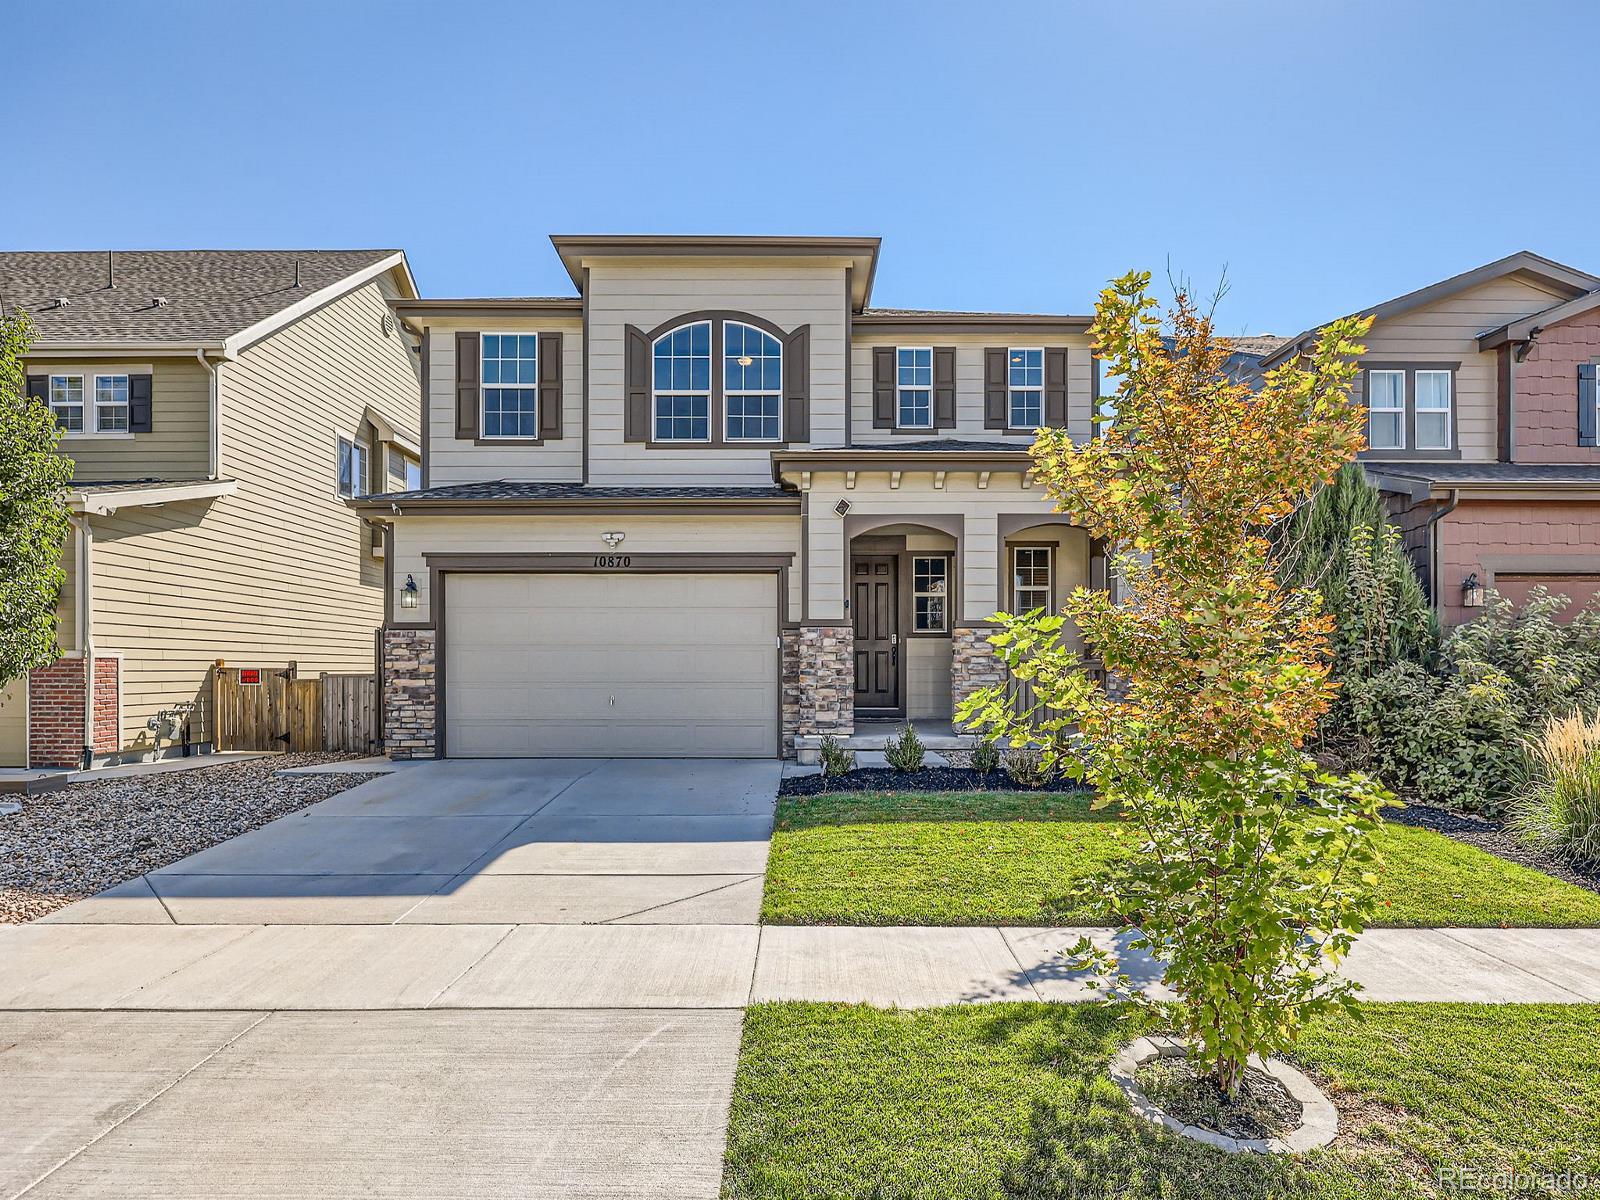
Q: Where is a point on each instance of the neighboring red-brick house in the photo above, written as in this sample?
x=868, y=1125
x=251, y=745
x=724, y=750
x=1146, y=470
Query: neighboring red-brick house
x=1482, y=429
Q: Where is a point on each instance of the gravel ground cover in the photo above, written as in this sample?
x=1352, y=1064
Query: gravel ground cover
x=69, y=844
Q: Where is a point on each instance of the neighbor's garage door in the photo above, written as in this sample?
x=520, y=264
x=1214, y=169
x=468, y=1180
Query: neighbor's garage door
x=600, y=665
x=1580, y=589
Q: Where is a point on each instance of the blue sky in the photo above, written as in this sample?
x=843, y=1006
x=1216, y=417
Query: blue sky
x=1011, y=156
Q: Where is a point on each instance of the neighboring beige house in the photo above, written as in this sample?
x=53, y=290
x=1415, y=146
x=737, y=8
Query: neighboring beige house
x=716, y=502
x=219, y=407
x=1482, y=427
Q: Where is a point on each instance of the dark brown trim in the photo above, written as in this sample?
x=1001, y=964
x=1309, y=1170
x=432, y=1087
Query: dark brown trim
x=849, y=351
x=1539, y=564
x=1505, y=439
x=388, y=577
x=869, y=458
x=785, y=506
x=891, y=548
x=583, y=433
x=974, y=323
x=555, y=307
x=427, y=400
x=469, y=383
x=950, y=600
x=1009, y=575
x=1409, y=453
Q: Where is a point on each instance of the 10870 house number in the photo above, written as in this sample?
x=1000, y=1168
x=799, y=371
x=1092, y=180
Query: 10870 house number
x=613, y=560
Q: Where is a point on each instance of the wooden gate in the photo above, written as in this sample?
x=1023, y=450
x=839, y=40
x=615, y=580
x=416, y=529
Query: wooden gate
x=267, y=708
x=350, y=713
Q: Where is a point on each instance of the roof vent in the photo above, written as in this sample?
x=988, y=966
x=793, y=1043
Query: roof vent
x=158, y=302
x=62, y=302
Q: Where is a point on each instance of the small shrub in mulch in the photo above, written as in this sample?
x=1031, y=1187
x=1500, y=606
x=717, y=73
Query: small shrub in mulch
x=928, y=779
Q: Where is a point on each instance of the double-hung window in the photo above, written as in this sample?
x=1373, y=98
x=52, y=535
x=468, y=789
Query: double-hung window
x=510, y=385
x=930, y=592
x=405, y=472
x=1386, y=410
x=1410, y=408
x=353, y=463
x=1025, y=388
x=111, y=404
x=1432, y=391
x=914, y=387
x=752, y=383
x=1030, y=578
x=66, y=401
x=682, y=384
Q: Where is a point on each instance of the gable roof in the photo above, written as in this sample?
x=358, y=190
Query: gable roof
x=1564, y=278
x=214, y=299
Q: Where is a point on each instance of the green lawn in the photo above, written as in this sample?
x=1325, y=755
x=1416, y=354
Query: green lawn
x=1012, y=1101
x=1010, y=858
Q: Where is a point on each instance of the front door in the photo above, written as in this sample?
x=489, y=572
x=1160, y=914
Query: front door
x=875, y=606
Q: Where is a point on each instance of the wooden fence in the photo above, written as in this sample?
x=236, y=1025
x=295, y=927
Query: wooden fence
x=272, y=708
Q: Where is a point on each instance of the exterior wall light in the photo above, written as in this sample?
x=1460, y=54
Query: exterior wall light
x=408, y=593
x=1471, y=592
x=612, y=538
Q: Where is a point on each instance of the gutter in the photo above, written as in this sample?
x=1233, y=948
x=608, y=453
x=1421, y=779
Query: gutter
x=84, y=609
x=214, y=407
x=1438, y=515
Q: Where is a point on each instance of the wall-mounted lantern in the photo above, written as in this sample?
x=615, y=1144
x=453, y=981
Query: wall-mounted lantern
x=1471, y=592
x=408, y=593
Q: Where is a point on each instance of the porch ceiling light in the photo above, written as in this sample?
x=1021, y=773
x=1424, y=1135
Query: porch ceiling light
x=1471, y=592
x=408, y=593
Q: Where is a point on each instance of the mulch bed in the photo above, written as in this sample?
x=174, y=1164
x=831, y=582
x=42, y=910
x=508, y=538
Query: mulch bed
x=69, y=844
x=1262, y=1109
x=929, y=779
x=1493, y=838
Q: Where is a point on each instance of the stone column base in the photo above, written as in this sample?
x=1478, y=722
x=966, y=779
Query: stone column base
x=973, y=662
x=825, y=683
x=410, y=694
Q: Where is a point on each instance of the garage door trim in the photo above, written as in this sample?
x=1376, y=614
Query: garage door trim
x=618, y=562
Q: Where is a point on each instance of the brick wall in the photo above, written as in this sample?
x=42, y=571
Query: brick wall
x=410, y=695
x=1547, y=393
x=55, y=711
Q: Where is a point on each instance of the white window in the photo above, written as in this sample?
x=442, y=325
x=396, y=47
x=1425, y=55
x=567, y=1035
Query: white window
x=1025, y=382
x=914, y=387
x=353, y=460
x=752, y=383
x=1432, y=390
x=405, y=472
x=66, y=401
x=681, y=400
x=1386, y=410
x=111, y=404
x=1030, y=578
x=510, y=385
x=930, y=590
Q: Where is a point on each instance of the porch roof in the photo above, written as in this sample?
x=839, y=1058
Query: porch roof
x=500, y=495
x=1421, y=480
x=939, y=453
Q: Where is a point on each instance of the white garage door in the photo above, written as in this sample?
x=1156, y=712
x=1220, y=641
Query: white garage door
x=639, y=666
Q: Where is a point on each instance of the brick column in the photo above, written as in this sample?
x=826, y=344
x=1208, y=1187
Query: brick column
x=973, y=662
x=826, y=679
x=410, y=696
x=55, y=711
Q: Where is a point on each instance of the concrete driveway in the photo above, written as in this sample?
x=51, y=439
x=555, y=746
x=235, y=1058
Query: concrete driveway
x=517, y=978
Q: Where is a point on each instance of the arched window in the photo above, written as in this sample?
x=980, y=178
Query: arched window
x=682, y=384
x=752, y=383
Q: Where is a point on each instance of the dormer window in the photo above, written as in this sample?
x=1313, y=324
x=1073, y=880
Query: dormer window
x=682, y=392
x=914, y=387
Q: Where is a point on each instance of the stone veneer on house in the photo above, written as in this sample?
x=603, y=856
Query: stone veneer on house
x=973, y=662
x=826, y=680
x=410, y=697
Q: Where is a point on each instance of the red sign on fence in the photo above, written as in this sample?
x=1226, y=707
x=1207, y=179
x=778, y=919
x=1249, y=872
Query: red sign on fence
x=250, y=675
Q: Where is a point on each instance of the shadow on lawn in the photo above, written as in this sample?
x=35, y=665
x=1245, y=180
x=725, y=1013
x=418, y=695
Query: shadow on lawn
x=888, y=807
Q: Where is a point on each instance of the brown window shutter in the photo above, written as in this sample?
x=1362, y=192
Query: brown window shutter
x=39, y=388
x=550, y=385
x=996, y=405
x=797, y=385
x=883, y=362
x=141, y=403
x=944, y=387
x=467, y=364
x=636, y=417
x=1055, y=387
x=1588, y=393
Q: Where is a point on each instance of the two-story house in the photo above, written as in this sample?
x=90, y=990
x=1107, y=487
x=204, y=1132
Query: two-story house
x=219, y=407
x=716, y=502
x=1481, y=430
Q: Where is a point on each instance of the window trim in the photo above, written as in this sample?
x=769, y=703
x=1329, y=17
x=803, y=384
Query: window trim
x=507, y=439
x=394, y=452
x=717, y=412
x=1012, y=427
x=126, y=406
x=1049, y=549
x=899, y=408
x=1400, y=408
x=775, y=393
x=1409, y=451
x=85, y=404
x=361, y=480
x=712, y=359
x=948, y=558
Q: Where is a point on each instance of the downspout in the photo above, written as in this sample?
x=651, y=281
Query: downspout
x=84, y=602
x=214, y=443
x=1439, y=514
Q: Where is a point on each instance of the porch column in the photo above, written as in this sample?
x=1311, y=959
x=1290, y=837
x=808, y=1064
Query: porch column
x=973, y=662
x=823, y=686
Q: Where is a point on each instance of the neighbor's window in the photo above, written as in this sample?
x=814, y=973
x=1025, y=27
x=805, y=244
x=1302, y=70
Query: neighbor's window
x=66, y=401
x=914, y=384
x=930, y=587
x=111, y=403
x=1432, y=389
x=1025, y=369
x=682, y=393
x=405, y=472
x=752, y=383
x=1030, y=578
x=352, y=468
x=510, y=385
x=1386, y=410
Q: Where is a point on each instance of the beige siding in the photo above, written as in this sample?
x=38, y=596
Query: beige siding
x=559, y=460
x=416, y=536
x=1447, y=331
x=14, y=724
x=646, y=293
x=281, y=570
x=177, y=446
x=969, y=384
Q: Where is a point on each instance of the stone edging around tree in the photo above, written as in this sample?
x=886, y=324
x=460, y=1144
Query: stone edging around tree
x=1319, y=1123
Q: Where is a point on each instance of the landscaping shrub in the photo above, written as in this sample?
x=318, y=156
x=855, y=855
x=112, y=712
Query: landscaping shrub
x=1559, y=807
x=1025, y=767
x=836, y=759
x=905, y=750
x=985, y=759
